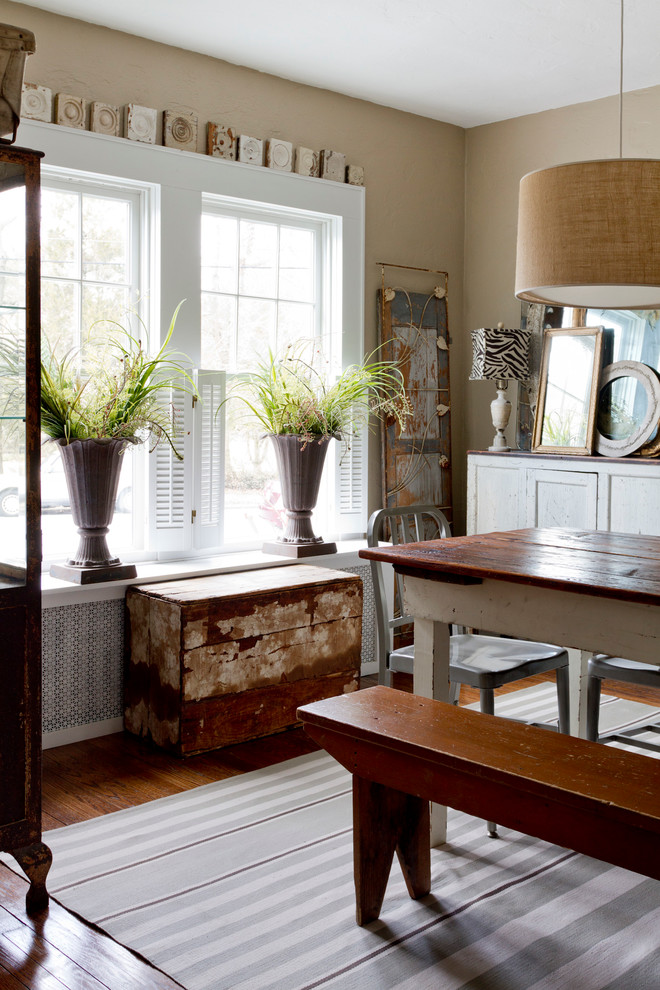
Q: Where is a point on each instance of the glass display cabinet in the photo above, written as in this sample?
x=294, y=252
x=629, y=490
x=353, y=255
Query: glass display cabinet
x=20, y=530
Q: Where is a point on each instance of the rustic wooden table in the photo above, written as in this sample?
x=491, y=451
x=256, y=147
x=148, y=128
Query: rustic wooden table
x=596, y=592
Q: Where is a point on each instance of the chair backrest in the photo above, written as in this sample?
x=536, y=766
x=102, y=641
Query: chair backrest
x=405, y=524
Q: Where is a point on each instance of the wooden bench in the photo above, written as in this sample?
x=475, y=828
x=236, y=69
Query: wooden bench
x=405, y=751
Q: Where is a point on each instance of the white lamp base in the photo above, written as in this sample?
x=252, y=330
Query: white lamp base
x=500, y=410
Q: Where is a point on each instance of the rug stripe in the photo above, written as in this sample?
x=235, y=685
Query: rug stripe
x=605, y=963
x=330, y=920
x=204, y=807
x=512, y=937
x=108, y=845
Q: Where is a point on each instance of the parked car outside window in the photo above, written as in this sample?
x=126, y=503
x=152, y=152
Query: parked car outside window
x=54, y=493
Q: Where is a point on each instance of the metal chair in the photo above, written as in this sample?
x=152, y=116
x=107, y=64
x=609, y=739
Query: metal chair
x=602, y=667
x=483, y=662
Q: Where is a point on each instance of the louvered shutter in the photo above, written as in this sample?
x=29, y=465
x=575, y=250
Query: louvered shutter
x=170, y=482
x=209, y=460
x=351, y=487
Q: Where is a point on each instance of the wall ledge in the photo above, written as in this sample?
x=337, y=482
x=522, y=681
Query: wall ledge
x=56, y=592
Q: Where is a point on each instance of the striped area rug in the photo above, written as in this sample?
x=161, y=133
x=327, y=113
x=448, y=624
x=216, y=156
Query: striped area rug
x=247, y=884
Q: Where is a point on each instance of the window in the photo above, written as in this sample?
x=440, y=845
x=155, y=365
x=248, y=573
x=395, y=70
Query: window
x=263, y=280
x=261, y=284
x=261, y=258
x=90, y=253
x=91, y=263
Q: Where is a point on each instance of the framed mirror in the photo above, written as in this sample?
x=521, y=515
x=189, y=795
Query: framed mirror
x=630, y=335
x=565, y=417
x=628, y=408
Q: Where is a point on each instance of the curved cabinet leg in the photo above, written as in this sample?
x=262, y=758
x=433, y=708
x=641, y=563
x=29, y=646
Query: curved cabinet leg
x=35, y=862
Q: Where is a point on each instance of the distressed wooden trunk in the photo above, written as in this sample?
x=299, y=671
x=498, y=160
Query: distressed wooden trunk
x=217, y=660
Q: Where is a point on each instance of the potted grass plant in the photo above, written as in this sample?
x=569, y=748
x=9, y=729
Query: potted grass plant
x=302, y=408
x=95, y=402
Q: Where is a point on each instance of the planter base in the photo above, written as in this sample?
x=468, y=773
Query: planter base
x=299, y=550
x=93, y=575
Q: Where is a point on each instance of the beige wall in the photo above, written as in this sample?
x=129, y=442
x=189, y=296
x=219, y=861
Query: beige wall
x=497, y=156
x=414, y=167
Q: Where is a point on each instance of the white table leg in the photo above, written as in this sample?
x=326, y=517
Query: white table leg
x=577, y=673
x=581, y=703
x=431, y=680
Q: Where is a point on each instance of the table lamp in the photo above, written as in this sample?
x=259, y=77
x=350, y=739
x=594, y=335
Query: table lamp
x=501, y=356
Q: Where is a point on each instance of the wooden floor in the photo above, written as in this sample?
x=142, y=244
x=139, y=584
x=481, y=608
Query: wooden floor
x=54, y=950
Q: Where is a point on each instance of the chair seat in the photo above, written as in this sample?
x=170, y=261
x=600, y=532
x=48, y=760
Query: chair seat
x=488, y=661
x=629, y=671
x=602, y=667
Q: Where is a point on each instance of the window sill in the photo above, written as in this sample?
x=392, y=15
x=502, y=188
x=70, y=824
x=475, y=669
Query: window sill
x=57, y=593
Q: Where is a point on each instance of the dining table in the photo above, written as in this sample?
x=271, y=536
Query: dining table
x=587, y=590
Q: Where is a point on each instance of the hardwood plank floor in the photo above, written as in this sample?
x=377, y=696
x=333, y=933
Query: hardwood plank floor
x=54, y=950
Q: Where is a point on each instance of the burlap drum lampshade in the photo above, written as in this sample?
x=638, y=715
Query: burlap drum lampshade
x=589, y=235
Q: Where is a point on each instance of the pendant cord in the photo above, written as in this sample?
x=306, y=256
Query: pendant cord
x=621, y=86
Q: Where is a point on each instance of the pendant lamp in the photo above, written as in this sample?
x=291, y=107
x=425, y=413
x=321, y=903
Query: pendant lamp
x=589, y=232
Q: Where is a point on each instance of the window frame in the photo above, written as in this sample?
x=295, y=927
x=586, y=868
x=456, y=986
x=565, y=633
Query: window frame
x=174, y=185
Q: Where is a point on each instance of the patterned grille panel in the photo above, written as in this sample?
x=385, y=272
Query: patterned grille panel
x=82, y=664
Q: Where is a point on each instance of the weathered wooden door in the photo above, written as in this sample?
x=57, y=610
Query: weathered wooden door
x=417, y=460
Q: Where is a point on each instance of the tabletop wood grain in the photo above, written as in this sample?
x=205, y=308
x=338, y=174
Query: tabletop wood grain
x=610, y=565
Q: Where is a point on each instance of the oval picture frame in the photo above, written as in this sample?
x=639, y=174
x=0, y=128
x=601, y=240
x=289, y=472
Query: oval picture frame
x=649, y=380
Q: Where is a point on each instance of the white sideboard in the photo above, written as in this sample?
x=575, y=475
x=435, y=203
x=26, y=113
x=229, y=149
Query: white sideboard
x=518, y=489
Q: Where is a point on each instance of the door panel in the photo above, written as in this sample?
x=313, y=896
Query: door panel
x=562, y=498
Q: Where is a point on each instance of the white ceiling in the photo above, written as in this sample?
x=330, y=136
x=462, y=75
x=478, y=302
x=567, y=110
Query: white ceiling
x=467, y=62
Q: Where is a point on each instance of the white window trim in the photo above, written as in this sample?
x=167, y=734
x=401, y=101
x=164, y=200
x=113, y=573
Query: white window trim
x=177, y=181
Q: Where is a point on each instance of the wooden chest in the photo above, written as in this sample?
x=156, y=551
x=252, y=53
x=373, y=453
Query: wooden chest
x=217, y=660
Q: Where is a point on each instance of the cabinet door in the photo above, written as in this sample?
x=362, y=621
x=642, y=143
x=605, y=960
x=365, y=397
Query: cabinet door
x=634, y=502
x=562, y=498
x=494, y=497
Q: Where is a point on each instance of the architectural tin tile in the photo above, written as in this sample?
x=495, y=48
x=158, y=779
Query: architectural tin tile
x=221, y=141
x=140, y=123
x=180, y=130
x=70, y=111
x=105, y=119
x=37, y=102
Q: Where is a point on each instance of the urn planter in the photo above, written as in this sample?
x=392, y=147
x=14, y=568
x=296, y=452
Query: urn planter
x=91, y=469
x=300, y=465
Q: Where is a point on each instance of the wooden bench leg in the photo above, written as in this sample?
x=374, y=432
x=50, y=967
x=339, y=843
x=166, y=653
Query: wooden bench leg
x=386, y=821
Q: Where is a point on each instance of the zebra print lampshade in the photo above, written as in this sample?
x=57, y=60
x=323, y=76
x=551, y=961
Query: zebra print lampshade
x=500, y=354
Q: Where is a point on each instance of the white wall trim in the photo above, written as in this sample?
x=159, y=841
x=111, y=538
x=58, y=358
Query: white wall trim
x=64, y=737
x=55, y=593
